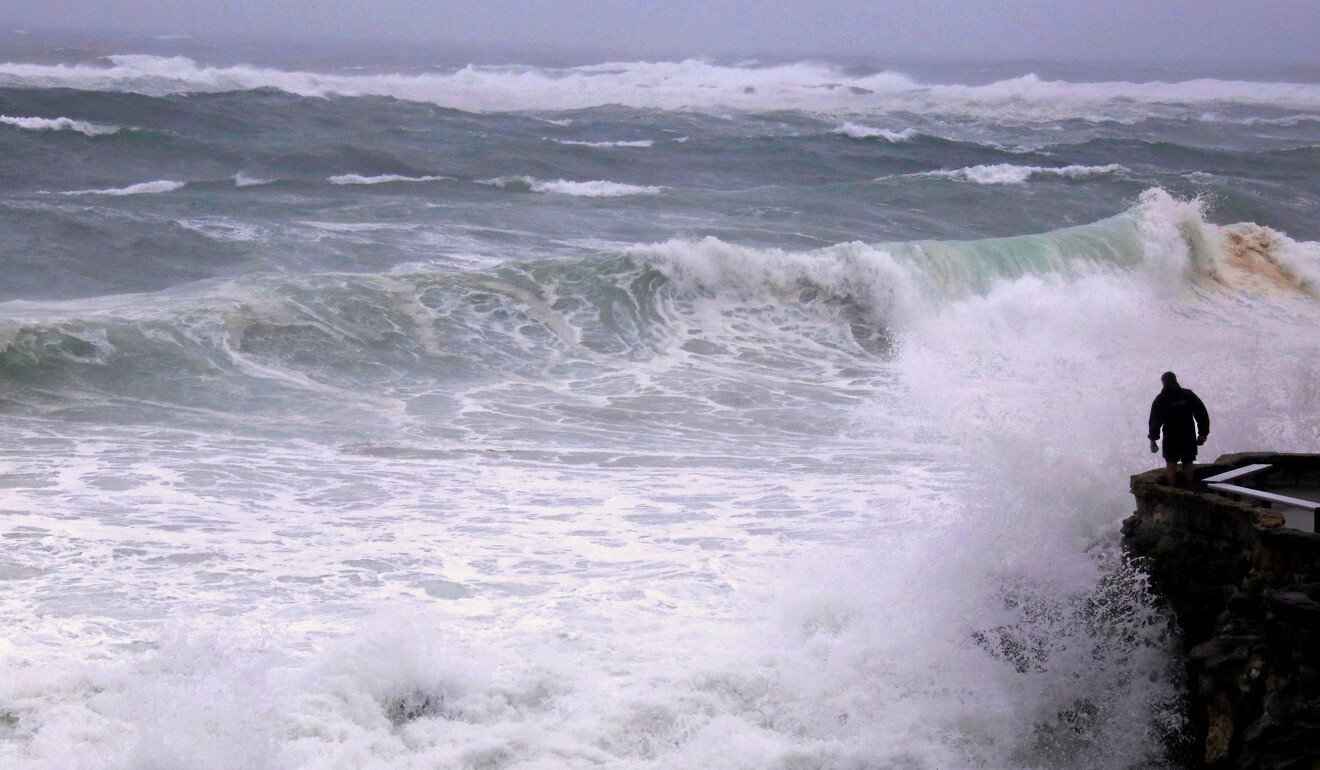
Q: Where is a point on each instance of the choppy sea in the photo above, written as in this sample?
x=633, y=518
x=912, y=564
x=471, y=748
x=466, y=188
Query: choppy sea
x=687, y=414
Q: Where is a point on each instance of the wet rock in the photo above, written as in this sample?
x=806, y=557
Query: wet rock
x=1245, y=592
x=415, y=705
x=1296, y=607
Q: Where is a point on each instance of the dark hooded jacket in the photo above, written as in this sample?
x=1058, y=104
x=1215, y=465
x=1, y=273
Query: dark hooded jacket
x=1180, y=413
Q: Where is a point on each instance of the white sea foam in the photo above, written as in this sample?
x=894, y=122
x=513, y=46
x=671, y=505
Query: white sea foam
x=60, y=124
x=224, y=229
x=591, y=189
x=687, y=84
x=1007, y=173
x=700, y=526
x=382, y=179
x=622, y=143
x=858, y=131
x=359, y=227
x=142, y=188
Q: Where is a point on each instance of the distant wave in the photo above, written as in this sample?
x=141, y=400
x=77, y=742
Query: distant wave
x=357, y=227
x=638, y=143
x=687, y=84
x=864, y=132
x=382, y=179
x=243, y=180
x=1287, y=121
x=1007, y=173
x=60, y=124
x=857, y=131
x=592, y=189
x=142, y=188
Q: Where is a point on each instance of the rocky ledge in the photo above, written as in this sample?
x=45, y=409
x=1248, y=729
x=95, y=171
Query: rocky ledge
x=1245, y=591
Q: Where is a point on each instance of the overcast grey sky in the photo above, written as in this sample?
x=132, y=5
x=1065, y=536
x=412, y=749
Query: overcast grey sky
x=1123, y=30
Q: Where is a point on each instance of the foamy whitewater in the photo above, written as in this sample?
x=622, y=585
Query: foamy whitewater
x=632, y=415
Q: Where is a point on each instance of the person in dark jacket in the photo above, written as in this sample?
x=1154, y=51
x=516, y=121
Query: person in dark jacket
x=1185, y=422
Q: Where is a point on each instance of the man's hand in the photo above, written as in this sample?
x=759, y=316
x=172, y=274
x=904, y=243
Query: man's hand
x=1201, y=439
x=1154, y=447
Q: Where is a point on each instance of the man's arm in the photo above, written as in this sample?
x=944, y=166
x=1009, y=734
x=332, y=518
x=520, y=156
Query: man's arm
x=1156, y=419
x=1202, y=419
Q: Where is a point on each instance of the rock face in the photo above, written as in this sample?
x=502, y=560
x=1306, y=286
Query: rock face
x=1245, y=591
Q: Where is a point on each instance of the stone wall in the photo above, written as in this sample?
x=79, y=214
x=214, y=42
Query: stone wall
x=1245, y=592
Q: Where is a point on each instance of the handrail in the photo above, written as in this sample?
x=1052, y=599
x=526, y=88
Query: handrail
x=1245, y=470
x=1270, y=497
x=1216, y=483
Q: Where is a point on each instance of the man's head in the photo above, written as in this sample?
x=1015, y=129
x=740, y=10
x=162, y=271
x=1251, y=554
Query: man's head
x=1169, y=379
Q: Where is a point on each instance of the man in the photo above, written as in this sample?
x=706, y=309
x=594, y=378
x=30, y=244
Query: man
x=1186, y=425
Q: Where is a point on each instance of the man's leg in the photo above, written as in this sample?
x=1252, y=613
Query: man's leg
x=1171, y=473
x=1190, y=471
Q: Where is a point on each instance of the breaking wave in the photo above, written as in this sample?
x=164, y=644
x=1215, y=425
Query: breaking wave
x=878, y=290
x=1007, y=173
x=382, y=179
x=141, y=188
x=621, y=143
x=857, y=131
x=242, y=179
x=1000, y=628
x=591, y=189
x=1004, y=632
x=685, y=84
x=60, y=124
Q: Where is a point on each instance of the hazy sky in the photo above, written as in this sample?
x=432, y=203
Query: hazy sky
x=1131, y=30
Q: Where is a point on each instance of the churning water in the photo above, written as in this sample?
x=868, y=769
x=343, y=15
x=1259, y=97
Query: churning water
x=667, y=415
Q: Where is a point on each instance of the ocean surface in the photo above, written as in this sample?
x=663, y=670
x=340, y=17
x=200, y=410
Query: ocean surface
x=394, y=412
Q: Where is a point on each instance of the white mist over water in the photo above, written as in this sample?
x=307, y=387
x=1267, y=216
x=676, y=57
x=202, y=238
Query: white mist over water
x=788, y=509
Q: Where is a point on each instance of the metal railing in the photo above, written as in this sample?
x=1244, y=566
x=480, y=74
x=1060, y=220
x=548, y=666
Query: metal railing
x=1219, y=483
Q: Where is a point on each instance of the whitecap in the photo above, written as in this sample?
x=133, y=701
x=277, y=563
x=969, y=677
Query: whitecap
x=382, y=179
x=637, y=143
x=591, y=189
x=1007, y=173
x=689, y=84
x=142, y=188
x=244, y=180
x=858, y=131
x=60, y=124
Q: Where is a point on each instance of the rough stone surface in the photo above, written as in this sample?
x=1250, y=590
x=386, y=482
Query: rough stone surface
x=1245, y=592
